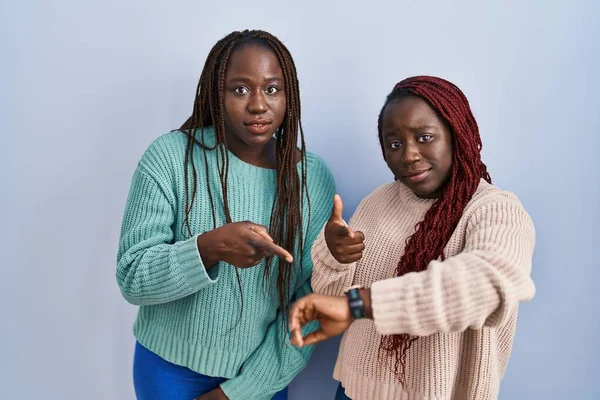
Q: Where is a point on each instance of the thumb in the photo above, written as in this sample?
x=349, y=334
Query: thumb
x=338, y=208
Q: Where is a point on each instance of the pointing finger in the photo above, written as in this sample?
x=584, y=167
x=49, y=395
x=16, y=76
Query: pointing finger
x=260, y=230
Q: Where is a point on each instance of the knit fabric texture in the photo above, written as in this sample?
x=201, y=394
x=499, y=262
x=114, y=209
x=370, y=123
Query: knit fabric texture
x=463, y=309
x=193, y=316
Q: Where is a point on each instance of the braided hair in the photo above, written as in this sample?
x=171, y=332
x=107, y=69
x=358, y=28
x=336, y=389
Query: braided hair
x=434, y=231
x=286, y=216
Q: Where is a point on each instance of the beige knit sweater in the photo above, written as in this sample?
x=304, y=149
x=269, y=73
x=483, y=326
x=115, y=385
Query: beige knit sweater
x=464, y=309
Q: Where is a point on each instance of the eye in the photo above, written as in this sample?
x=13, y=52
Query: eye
x=272, y=90
x=425, y=138
x=395, y=144
x=240, y=90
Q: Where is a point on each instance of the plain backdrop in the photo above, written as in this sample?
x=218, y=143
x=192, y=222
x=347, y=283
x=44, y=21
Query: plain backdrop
x=86, y=86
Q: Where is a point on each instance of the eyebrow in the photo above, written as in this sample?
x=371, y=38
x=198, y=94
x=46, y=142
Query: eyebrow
x=248, y=80
x=392, y=132
x=425, y=127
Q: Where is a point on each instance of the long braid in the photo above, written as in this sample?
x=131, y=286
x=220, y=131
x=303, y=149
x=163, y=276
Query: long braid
x=434, y=231
x=286, y=216
x=289, y=188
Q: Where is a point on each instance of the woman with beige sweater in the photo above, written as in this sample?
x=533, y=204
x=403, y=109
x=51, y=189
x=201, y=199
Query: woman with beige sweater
x=426, y=279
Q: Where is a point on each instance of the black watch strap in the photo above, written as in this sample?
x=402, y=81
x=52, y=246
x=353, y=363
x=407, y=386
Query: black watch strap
x=357, y=306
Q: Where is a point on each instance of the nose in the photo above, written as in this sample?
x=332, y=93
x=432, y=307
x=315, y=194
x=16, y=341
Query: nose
x=411, y=154
x=257, y=103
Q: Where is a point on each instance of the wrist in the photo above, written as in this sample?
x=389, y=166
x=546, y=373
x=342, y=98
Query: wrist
x=207, y=249
x=359, y=302
x=365, y=295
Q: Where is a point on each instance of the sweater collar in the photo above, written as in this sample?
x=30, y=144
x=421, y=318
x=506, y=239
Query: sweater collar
x=235, y=163
x=412, y=199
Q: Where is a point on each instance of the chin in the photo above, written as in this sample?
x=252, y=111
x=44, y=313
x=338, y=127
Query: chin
x=420, y=191
x=258, y=140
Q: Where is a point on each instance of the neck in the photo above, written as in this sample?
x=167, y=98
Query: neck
x=259, y=156
x=431, y=196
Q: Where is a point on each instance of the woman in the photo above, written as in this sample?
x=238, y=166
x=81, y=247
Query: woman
x=217, y=232
x=440, y=258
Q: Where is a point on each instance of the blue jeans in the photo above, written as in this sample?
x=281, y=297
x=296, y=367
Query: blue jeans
x=155, y=378
x=341, y=394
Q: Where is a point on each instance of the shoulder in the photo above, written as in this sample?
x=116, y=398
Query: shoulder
x=375, y=203
x=318, y=175
x=492, y=203
x=488, y=193
x=383, y=193
x=316, y=165
x=320, y=188
x=164, y=152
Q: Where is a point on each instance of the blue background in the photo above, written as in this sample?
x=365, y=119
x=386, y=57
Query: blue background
x=85, y=86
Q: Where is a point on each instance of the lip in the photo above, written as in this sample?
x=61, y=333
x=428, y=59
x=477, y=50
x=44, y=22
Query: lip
x=258, y=126
x=417, y=175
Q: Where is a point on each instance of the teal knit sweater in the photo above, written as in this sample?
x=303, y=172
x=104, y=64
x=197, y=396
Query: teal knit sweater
x=189, y=315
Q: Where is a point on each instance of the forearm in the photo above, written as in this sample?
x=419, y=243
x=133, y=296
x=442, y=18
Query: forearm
x=329, y=276
x=460, y=293
x=162, y=273
x=365, y=295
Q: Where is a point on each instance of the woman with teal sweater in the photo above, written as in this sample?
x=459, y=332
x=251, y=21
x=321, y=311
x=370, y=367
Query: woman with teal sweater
x=217, y=232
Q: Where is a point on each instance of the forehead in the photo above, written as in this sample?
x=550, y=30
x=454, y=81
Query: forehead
x=253, y=60
x=410, y=112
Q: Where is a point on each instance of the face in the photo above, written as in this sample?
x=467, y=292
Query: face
x=255, y=102
x=417, y=145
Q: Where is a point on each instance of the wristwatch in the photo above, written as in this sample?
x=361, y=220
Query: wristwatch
x=357, y=306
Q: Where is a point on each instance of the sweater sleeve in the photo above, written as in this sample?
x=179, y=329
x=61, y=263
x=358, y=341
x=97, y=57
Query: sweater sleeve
x=329, y=276
x=151, y=269
x=481, y=286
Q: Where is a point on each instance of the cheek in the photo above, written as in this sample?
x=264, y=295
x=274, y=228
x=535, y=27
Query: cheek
x=446, y=161
x=228, y=104
x=233, y=107
x=449, y=154
x=387, y=156
x=392, y=159
x=278, y=106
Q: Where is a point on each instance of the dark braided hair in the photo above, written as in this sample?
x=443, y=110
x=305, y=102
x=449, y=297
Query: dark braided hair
x=434, y=231
x=286, y=216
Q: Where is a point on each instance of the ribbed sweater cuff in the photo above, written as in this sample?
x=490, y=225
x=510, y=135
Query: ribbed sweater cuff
x=390, y=306
x=321, y=252
x=191, y=266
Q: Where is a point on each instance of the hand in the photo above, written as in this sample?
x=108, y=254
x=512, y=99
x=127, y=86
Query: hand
x=242, y=244
x=333, y=313
x=345, y=245
x=215, y=394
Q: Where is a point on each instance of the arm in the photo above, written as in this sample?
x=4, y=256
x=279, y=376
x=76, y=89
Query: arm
x=153, y=270
x=332, y=312
x=150, y=268
x=329, y=277
x=479, y=287
x=335, y=253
